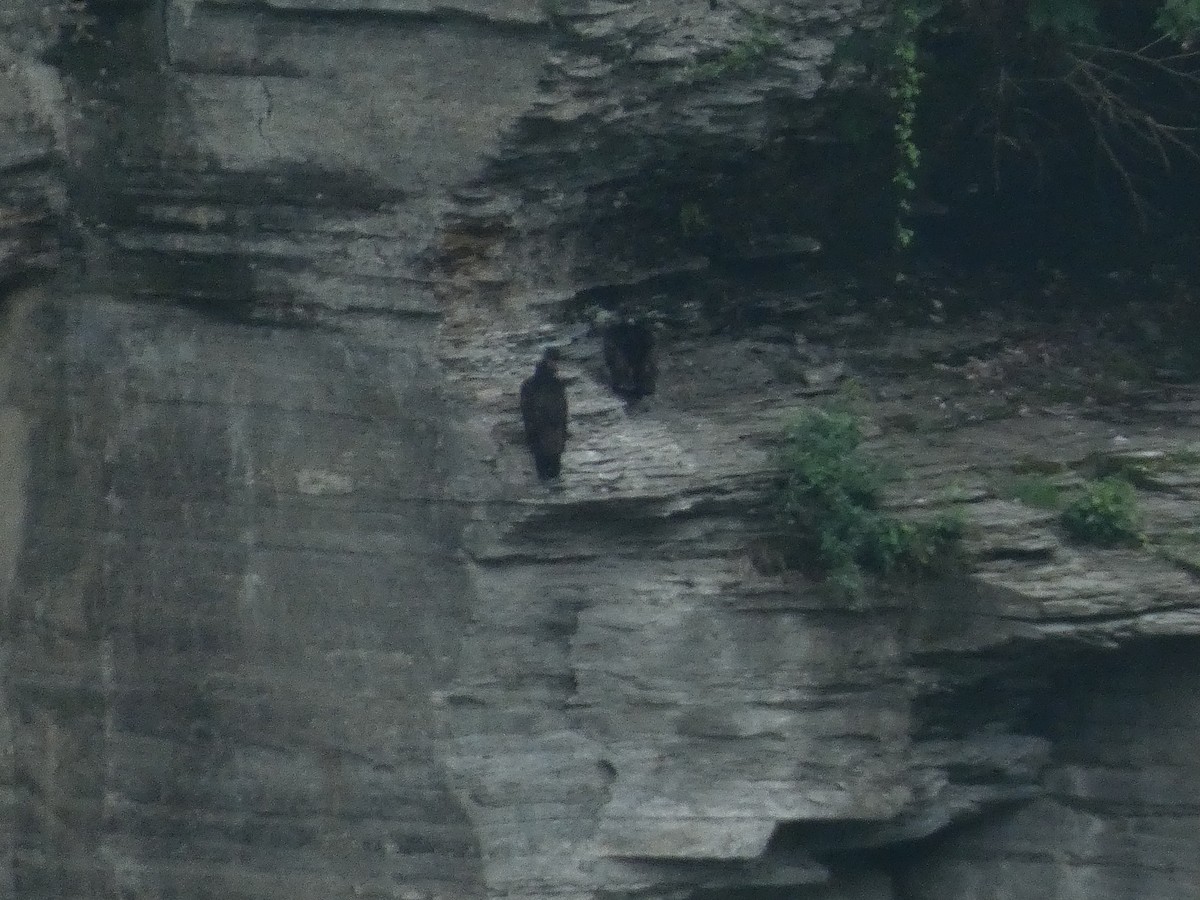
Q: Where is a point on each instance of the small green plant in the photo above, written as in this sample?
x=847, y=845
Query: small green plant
x=1105, y=513
x=746, y=54
x=915, y=546
x=827, y=509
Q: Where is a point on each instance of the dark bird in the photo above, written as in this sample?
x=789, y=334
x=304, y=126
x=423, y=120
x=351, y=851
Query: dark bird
x=544, y=411
x=629, y=357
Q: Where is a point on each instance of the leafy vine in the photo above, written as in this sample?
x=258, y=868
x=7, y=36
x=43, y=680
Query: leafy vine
x=906, y=92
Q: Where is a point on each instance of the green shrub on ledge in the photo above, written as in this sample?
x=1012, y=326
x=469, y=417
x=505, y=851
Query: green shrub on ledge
x=826, y=506
x=1105, y=513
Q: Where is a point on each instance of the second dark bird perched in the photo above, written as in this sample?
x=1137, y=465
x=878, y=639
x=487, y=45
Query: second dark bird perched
x=629, y=357
x=544, y=412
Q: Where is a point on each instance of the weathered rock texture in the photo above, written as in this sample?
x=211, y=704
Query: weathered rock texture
x=286, y=614
x=731, y=715
x=223, y=615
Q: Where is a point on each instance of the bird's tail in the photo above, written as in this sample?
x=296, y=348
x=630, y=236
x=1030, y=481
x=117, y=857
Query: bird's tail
x=548, y=465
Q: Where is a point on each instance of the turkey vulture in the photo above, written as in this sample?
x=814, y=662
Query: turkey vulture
x=544, y=411
x=629, y=356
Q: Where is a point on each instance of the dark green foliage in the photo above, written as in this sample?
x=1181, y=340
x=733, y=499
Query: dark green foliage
x=749, y=52
x=826, y=505
x=1073, y=19
x=1105, y=513
x=1079, y=117
x=1179, y=19
x=915, y=546
x=905, y=92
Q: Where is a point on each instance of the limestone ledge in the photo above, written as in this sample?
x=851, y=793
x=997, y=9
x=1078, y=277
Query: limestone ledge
x=525, y=12
x=621, y=612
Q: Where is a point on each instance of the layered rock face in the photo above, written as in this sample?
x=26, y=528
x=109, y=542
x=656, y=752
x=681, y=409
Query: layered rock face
x=1118, y=815
x=735, y=716
x=287, y=614
x=235, y=587
x=233, y=549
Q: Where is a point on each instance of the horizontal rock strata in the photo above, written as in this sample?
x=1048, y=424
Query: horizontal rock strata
x=287, y=614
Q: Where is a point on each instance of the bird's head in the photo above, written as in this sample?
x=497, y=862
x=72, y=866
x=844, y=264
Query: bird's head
x=550, y=359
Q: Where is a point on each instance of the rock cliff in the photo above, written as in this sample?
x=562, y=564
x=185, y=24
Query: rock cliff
x=286, y=613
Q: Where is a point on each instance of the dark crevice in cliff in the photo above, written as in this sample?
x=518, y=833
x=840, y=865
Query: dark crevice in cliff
x=1108, y=685
x=1117, y=749
x=1109, y=618
x=965, y=695
x=438, y=15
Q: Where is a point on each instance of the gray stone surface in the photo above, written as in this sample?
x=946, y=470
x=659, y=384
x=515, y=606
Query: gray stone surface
x=287, y=615
x=31, y=197
x=236, y=590
x=1120, y=812
x=730, y=715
